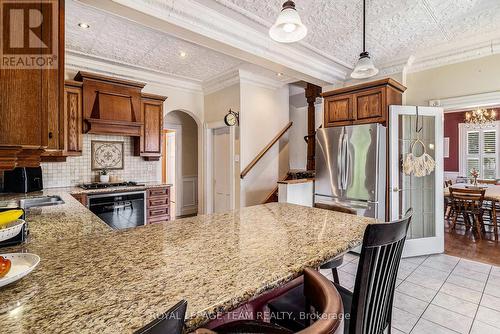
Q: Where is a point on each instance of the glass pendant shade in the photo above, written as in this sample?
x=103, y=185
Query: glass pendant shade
x=288, y=27
x=365, y=68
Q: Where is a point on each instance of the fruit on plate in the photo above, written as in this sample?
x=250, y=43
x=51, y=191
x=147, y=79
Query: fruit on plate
x=4, y=266
x=9, y=216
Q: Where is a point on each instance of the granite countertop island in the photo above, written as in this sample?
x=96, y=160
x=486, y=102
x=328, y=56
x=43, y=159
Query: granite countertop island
x=94, y=279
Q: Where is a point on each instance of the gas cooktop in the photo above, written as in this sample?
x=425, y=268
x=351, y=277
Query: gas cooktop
x=98, y=185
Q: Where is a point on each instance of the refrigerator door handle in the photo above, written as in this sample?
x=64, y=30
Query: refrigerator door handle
x=340, y=159
x=346, y=162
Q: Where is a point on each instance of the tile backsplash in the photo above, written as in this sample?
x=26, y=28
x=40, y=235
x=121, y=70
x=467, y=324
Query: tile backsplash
x=77, y=170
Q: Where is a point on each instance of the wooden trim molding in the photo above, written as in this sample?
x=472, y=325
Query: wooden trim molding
x=387, y=81
x=264, y=150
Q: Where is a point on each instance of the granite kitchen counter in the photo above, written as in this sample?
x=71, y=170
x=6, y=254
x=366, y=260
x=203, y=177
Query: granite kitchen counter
x=67, y=220
x=116, y=281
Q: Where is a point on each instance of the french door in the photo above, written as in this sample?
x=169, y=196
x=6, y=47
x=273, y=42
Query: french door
x=423, y=194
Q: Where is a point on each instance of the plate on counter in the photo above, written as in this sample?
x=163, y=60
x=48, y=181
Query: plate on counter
x=11, y=229
x=21, y=265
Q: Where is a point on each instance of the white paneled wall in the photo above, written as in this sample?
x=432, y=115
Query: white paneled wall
x=77, y=170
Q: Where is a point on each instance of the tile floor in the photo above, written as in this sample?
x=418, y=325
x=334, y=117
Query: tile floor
x=440, y=294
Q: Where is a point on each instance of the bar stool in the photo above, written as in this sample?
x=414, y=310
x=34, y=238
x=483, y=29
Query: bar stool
x=171, y=322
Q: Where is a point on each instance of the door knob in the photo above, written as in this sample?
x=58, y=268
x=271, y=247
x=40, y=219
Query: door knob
x=395, y=189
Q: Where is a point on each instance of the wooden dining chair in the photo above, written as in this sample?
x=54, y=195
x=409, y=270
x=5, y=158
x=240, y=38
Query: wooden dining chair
x=469, y=204
x=323, y=305
x=448, y=211
x=171, y=322
x=337, y=261
x=370, y=305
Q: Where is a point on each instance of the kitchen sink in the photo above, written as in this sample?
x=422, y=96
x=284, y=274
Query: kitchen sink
x=36, y=202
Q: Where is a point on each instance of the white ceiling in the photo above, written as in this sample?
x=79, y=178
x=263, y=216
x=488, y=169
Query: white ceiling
x=123, y=41
x=411, y=34
x=396, y=29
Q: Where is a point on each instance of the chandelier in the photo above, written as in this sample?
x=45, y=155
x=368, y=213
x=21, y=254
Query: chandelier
x=480, y=117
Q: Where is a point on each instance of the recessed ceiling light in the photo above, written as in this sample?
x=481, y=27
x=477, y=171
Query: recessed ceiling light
x=279, y=74
x=183, y=54
x=83, y=25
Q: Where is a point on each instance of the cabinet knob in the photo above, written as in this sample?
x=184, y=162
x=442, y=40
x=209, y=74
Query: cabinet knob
x=50, y=135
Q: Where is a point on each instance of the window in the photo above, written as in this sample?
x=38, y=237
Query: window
x=480, y=151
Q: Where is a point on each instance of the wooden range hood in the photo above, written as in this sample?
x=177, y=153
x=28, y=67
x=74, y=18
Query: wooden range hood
x=111, y=105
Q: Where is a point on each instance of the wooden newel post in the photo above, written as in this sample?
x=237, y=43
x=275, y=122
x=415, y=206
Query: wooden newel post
x=312, y=92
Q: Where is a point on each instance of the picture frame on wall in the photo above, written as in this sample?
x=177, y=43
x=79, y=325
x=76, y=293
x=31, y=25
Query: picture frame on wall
x=107, y=155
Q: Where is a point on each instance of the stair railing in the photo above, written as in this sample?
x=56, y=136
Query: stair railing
x=265, y=150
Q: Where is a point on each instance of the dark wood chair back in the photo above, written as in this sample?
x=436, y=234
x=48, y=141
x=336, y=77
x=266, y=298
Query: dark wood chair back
x=467, y=200
x=335, y=207
x=171, y=322
x=373, y=295
x=448, y=183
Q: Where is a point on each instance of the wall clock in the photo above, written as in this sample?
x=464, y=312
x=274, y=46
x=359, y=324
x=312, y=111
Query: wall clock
x=232, y=118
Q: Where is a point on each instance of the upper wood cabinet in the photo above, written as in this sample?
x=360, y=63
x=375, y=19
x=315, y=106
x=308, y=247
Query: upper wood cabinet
x=149, y=144
x=362, y=104
x=29, y=95
x=65, y=128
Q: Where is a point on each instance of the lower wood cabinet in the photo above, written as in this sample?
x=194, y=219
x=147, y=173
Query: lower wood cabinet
x=82, y=198
x=158, y=205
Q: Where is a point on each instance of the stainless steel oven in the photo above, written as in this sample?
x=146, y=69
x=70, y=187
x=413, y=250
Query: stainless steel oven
x=120, y=210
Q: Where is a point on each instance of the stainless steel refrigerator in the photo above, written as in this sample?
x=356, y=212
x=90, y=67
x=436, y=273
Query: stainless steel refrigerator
x=351, y=168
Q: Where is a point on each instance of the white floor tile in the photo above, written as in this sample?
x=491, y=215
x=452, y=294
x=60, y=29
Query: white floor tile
x=471, y=274
x=448, y=319
x=351, y=268
x=495, y=271
x=415, y=259
x=348, y=257
x=396, y=331
x=488, y=316
x=409, y=304
x=403, y=320
x=455, y=304
x=461, y=292
x=479, y=327
x=426, y=327
x=428, y=277
x=475, y=266
x=417, y=291
x=491, y=302
x=494, y=279
x=492, y=289
x=347, y=280
x=398, y=282
x=441, y=262
x=466, y=282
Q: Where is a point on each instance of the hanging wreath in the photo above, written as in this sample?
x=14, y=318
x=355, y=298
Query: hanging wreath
x=418, y=165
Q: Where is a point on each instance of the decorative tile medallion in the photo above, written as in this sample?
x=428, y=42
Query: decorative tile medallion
x=107, y=154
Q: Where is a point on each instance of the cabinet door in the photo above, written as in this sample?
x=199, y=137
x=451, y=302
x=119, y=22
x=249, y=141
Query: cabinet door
x=369, y=106
x=153, y=117
x=338, y=110
x=73, y=120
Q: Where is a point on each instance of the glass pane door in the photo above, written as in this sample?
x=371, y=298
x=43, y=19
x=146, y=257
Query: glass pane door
x=424, y=194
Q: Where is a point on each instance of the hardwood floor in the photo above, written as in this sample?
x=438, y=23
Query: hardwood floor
x=461, y=243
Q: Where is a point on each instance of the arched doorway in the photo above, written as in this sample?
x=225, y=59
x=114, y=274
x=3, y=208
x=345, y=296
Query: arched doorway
x=180, y=162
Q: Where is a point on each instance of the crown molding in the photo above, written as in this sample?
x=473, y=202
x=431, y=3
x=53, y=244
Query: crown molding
x=461, y=103
x=224, y=80
x=237, y=76
x=77, y=61
x=449, y=56
x=205, y=26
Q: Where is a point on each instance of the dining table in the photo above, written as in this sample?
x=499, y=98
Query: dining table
x=491, y=194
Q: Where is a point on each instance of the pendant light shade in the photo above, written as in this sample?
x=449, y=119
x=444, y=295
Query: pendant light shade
x=288, y=27
x=365, y=68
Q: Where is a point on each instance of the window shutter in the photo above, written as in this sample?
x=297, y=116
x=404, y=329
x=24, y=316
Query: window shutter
x=473, y=142
x=489, y=138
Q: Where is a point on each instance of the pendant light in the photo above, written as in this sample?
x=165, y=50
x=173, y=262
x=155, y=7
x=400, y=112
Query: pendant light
x=365, y=67
x=288, y=27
